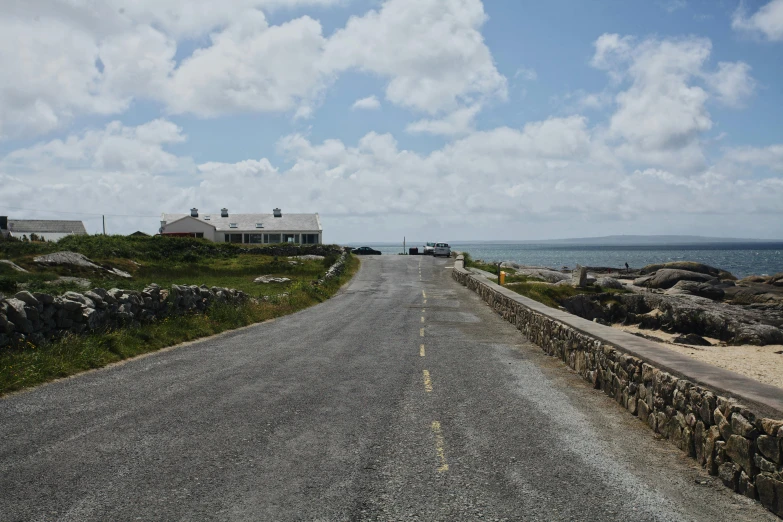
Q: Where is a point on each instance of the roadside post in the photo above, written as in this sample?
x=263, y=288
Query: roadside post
x=502, y=278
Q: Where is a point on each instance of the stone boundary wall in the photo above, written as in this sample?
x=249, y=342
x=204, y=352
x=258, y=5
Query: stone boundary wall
x=36, y=317
x=733, y=441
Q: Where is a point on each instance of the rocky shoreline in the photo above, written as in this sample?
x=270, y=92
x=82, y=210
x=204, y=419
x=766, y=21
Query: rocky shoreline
x=690, y=299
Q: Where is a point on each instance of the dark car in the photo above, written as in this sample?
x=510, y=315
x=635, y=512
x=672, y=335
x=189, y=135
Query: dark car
x=365, y=251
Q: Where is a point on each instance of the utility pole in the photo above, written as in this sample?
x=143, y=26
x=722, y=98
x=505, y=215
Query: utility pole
x=104, y=224
x=403, y=244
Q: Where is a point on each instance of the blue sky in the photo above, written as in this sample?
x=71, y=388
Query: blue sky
x=493, y=120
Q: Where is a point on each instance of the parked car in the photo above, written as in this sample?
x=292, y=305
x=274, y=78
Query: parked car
x=429, y=249
x=365, y=251
x=442, y=249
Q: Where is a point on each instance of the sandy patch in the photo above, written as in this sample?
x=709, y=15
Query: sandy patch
x=760, y=363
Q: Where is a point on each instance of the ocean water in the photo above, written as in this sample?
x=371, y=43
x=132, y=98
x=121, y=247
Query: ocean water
x=741, y=259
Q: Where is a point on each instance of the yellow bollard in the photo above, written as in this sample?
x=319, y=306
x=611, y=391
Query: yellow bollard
x=502, y=278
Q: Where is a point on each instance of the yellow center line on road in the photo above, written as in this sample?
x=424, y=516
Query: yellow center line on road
x=421, y=332
x=427, y=381
x=421, y=350
x=423, y=294
x=422, y=318
x=425, y=301
x=439, y=447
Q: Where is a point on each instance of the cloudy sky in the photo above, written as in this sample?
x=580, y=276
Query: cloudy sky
x=433, y=119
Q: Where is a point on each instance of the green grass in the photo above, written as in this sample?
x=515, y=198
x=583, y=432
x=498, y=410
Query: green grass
x=553, y=296
x=161, y=260
x=29, y=366
x=533, y=287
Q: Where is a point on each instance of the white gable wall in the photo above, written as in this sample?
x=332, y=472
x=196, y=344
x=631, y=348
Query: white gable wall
x=189, y=225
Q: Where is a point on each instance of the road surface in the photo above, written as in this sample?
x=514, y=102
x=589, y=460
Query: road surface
x=402, y=398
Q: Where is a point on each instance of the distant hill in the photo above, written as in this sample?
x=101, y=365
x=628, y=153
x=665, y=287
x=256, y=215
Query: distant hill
x=634, y=240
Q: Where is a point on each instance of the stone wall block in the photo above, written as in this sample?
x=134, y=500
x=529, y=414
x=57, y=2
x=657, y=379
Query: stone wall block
x=729, y=474
x=769, y=447
x=770, y=493
x=741, y=451
x=711, y=438
x=746, y=487
x=741, y=426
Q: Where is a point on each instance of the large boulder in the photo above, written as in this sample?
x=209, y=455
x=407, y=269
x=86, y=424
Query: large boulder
x=668, y=277
x=609, y=282
x=76, y=260
x=696, y=288
x=13, y=265
x=550, y=276
x=690, y=266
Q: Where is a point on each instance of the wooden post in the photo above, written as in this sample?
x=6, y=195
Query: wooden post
x=104, y=224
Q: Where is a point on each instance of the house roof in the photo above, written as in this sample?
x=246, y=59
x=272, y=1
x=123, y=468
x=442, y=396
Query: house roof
x=42, y=226
x=246, y=222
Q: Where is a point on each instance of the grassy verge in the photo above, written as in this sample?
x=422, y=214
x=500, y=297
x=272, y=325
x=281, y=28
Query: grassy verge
x=30, y=366
x=536, y=288
x=553, y=296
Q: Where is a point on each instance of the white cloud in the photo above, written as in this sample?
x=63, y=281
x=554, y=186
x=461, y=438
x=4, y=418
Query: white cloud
x=732, y=82
x=431, y=51
x=370, y=102
x=661, y=116
x=673, y=5
x=457, y=123
x=770, y=156
x=62, y=59
x=526, y=73
x=251, y=66
x=558, y=170
x=49, y=75
x=767, y=21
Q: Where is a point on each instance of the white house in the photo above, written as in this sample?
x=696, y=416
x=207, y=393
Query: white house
x=49, y=230
x=304, y=229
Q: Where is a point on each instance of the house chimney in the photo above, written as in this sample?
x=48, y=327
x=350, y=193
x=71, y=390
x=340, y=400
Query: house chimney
x=193, y=212
x=3, y=222
x=223, y=212
x=277, y=212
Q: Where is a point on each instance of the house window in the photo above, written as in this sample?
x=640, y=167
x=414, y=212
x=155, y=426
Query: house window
x=259, y=225
x=207, y=218
x=233, y=238
x=255, y=239
x=290, y=238
x=200, y=235
x=232, y=225
x=309, y=239
x=271, y=239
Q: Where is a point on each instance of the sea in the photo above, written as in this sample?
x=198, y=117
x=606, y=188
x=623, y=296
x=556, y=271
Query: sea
x=741, y=259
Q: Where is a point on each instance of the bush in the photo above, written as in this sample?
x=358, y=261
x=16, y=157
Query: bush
x=7, y=284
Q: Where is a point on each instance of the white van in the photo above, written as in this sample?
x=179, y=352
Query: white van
x=442, y=249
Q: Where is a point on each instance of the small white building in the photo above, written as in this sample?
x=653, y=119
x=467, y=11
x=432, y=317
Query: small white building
x=259, y=229
x=46, y=229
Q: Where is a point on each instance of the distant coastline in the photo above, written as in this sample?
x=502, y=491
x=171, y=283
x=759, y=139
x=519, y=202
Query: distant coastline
x=614, y=240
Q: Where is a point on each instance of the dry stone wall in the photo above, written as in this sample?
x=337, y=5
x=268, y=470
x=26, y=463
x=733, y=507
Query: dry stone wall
x=36, y=317
x=730, y=440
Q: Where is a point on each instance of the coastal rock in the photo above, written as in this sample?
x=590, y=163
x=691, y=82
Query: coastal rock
x=13, y=265
x=684, y=314
x=691, y=339
x=76, y=260
x=550, y=276
x=579, y=276
x=689, y=266
x=609, y=282
x=668, y=277
x=270, y=279
x=695, y=288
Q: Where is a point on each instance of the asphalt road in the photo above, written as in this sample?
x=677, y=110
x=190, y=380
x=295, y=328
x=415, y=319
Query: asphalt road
x=402, y=398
